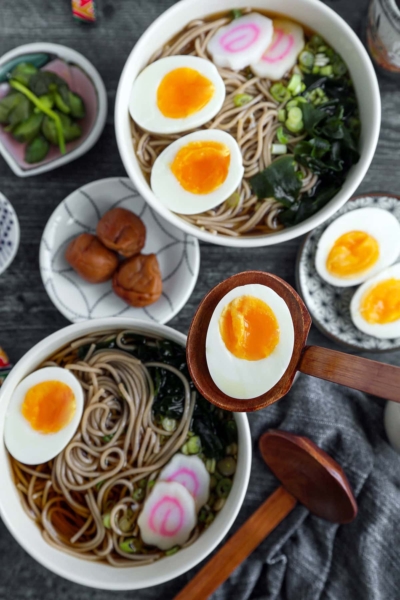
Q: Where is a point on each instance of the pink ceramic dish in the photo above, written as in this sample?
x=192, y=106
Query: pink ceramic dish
x=82, y=79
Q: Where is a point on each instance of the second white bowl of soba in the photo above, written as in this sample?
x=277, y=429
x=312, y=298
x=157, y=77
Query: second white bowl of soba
x=99, y=573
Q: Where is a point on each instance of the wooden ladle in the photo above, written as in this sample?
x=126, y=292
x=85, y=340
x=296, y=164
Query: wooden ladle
x=308, y=475
x=361, y=374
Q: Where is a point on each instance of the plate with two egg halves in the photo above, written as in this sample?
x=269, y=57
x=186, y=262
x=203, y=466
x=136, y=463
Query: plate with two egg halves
x=88, y=276
x=358, y=309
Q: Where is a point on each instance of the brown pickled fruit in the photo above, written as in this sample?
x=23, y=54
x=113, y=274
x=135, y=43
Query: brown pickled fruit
x=122, y=231
x=90, y=259
x=138, y=280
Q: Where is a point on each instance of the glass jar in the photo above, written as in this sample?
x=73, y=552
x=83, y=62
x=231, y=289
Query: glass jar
x=383, y=34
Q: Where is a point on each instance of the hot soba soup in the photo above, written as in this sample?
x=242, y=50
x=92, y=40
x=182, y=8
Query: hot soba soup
x=245, y=123
x=148, y=465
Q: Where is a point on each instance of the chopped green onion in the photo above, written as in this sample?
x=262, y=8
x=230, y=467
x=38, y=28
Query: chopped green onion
x=107, y=520
x=172, y=551
x=99, y=484
x=294, y=127
x=292, y=103
x=227, y=466
x=131, y=545
x=194, y=444
x=209, y=518
x=281, y=115
x=233, y=200
x=315, y=42
x=125, y=524
x=315, y=71
x=306, y=59
x=138, y=494
x=107, y=438
x=213, y=482
x=169, y=424
x=339, y=67
x=142, y=483
x=279, y=92
x=232, y=449
x=219, y=504
x=242, y=99
x=211, y=463
x=236, y=13
x=151, y=484
x=295, y=115
x=185, y=449
x=278, y=149
x=224, y=487
x=328, y=70
x=294, y=85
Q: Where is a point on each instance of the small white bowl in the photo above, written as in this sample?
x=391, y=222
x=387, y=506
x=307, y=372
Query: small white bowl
x=94, y=574
x=316, y=16
x=9, y=233
x=71, y=56
x=178, y=255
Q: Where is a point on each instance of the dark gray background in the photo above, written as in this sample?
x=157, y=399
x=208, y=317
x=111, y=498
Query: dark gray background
x=26, y=313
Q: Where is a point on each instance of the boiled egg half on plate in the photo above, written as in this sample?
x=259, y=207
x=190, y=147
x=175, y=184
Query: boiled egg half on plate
x=197, y=172
x=358, y=245
x=176, y=93
x=43, y=415
x=375, y=307
x=249, y=341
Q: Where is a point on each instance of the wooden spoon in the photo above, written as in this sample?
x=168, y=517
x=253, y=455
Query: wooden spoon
x=308, y=475
x=361, y=374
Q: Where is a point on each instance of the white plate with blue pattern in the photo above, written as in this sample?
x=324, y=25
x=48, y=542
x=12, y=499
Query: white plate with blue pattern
x=9, y=233
x=178, y=255
x=330, y=306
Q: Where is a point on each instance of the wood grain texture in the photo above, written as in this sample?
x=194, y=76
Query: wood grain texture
x=369, y=376
x=26, y=313
x=239, y=546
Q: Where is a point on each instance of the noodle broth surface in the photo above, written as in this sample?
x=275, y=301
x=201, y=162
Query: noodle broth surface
x=140, y=410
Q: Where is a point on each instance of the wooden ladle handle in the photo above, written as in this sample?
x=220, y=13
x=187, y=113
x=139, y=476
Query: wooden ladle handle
x=369, y=376
x=239, y=546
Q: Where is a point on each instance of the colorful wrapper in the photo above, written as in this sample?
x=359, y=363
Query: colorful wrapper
x=5, y=366
x=84, y=10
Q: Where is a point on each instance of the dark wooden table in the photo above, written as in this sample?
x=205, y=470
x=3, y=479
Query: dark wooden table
x=26, y=313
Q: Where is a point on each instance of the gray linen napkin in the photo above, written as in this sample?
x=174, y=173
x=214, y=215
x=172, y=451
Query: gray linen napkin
x=306, y=558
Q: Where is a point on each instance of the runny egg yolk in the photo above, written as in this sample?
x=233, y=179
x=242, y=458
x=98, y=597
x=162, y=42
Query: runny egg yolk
x=183, y=92
x=249, y=328
x=202, y=166
x=49, y=406
x=381, y=303
x=352, y=253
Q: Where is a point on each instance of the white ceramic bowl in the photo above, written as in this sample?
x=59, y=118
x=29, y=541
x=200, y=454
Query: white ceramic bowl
x=315, y=15
x=94, y=574
x=70, y=56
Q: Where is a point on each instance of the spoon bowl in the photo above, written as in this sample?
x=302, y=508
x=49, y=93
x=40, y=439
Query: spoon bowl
x=345, y=369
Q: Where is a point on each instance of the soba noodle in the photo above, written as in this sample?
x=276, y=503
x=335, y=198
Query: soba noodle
x=87, y=500
x=253, y=125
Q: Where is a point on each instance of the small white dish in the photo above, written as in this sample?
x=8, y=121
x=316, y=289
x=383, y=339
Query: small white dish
x=78, y=147
x=178, y=255
x=391, y=420
x=9, y=233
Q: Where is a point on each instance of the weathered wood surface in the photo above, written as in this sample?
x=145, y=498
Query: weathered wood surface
x=26, y=313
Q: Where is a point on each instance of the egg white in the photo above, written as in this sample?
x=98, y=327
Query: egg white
x=382, y=331
x=143, y=99
x=378, y=223
x=244, y=379
x=22, y=441
x=170, y=192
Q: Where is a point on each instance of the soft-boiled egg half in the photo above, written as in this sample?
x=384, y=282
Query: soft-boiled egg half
x=175, y=94
x=249, y=341
x=375, y=307
x=281, y=55
x=358, y=245
x=197, y=172
x=43, y=415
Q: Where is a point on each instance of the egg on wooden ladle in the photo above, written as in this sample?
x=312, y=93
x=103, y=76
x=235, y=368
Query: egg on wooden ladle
x=197, y=172
x=357, y=245
x=375, y=307
x=250, y=340
x=43, y=415
x=176, y=93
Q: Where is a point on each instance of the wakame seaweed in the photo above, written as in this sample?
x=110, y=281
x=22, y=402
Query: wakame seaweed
x=208, y=422
x=330, y=126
